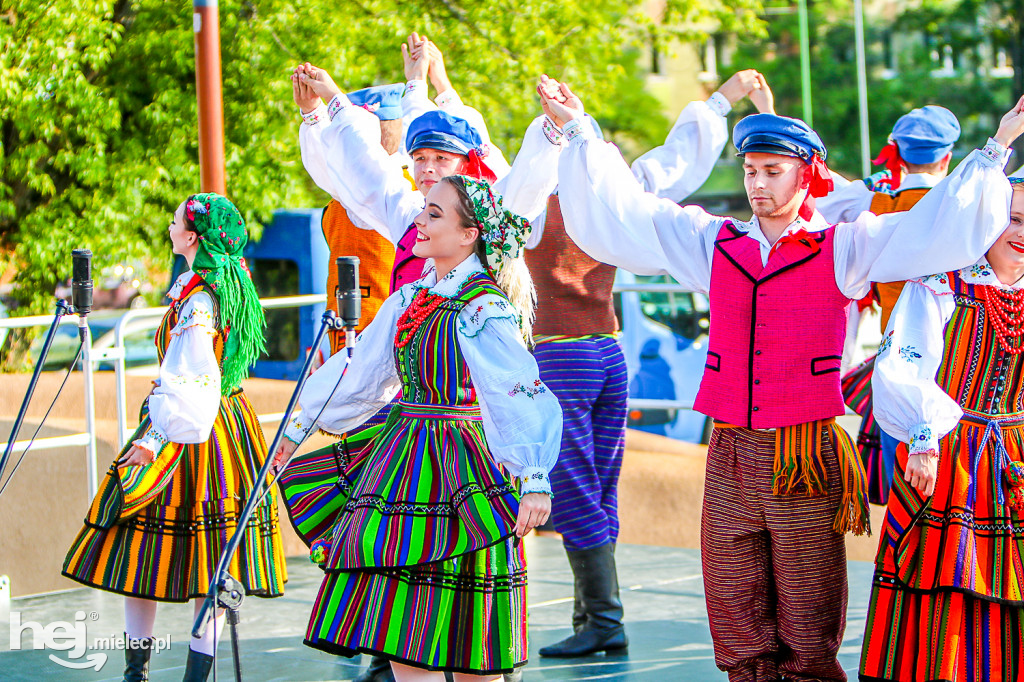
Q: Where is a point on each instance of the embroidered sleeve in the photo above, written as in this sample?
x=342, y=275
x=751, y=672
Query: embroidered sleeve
x=198, y=312
x=481, y=310
x=922, y=439
x=522, y=418
x=154, y=441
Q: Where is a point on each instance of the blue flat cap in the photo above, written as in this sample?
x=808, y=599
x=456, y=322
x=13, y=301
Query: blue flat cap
x=439, y=130
x=927, y=134
x=773, y=134
x=383, y=100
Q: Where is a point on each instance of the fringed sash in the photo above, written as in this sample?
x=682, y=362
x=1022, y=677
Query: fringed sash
x=800, y=470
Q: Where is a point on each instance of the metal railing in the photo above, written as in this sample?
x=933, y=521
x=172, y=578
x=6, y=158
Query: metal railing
x=116, y=354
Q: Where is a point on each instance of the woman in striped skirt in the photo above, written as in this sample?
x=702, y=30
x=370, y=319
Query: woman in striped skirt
x=417, y=522
x=172, y=499
x=947, y=599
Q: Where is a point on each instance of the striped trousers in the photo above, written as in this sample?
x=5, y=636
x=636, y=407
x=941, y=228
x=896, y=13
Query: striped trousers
x=774, y=570
x=588, y=376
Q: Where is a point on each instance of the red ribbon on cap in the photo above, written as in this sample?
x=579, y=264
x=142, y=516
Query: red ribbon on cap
x=818, y=181
x=476, y=168
x=890, y=156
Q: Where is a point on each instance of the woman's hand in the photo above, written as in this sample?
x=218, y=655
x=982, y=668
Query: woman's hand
x=438, y=74
x=136, y=456
x=761, y=96
x=922, y=469
x=1012, y=125
x=534, y=510
x=284, y=453
x=558, y=101
x=305, y=99
x=416, y=58
x=318, y=80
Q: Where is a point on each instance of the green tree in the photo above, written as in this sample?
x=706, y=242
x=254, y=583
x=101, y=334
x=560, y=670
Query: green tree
x=98, y=114
x=973, y=95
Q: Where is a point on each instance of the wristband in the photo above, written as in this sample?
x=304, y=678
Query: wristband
x=551, y=131
x=318, y=115
x=719, y=104
x=995, y=152
x=335, y=105
x=573, y=129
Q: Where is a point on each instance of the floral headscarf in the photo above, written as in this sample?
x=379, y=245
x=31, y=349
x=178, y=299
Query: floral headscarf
x=504, y=233
x=220, y=265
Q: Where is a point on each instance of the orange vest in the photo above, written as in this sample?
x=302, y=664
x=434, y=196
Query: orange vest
x=889, y=292
x=376, y=256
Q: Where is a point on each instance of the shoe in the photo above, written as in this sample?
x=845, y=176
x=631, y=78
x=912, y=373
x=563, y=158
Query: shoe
x=197, y=667
x=516, y=676
x=137, y=653
x=378, y=671
x=594, y=571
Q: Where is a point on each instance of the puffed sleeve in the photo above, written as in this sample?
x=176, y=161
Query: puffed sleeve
x=951, y=227
x=311, y=147
x=611, y=218
x=363, y=177
x=844, y=204
x=908, y=404
x=679, y=167
x=337, y=400
x=525, y=189
x=185, y=403
x=522, y=418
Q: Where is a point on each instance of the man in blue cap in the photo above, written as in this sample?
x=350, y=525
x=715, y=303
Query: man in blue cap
x=783, y=482
x=916, y=158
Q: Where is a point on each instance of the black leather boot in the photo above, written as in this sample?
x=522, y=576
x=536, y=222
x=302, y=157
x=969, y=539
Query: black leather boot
x=136, y=658
x=197, y=667
x=599, y=583
x=379, y=671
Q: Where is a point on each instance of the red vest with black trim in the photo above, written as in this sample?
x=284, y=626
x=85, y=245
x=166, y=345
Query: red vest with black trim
x=777, y=333
x=408, y=266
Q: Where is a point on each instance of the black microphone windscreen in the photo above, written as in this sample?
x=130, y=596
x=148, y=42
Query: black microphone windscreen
x=81, y=265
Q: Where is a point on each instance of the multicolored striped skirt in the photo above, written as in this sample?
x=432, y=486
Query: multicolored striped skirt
x=157, y=531
x=947, y=599
x=413, y=522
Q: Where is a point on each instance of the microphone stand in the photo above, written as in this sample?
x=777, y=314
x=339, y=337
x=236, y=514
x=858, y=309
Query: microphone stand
x=225, y=589
x=62, y=309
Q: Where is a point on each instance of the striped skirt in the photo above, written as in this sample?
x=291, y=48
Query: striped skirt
x=947, y=599
x=157, y=531
x=412, y=521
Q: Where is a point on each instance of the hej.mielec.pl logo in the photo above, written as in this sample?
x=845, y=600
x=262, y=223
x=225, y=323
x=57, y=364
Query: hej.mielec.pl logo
x=73, y=639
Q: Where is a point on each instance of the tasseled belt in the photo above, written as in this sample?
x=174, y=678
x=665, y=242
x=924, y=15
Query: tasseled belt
x=799, y=470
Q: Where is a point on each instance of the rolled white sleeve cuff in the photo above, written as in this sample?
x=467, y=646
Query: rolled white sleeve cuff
x=922, y=439
x=153, y=442
x=535, y=480
x=298, y=428
x=994, y=154
x=719, y=104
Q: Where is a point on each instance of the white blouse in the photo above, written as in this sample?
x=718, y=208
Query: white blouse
x=521, y=416
x=185, y=403
x=844, y=204
x=908, y=404
x=609, y=216
x=678, y=168
x=345, y=158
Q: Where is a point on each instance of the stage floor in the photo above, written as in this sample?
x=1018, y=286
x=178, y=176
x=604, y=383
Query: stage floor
x=661, y=590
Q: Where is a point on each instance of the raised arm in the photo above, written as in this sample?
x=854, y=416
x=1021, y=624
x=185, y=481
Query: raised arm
x=845, y=203
x=609, y=216
x=360, y=174
x=950, y=228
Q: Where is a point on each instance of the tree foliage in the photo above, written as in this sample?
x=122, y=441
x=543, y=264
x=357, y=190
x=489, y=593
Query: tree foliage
x=98, y=114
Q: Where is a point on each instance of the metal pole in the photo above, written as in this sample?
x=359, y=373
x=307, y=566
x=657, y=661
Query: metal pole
x=862, y=89
x=90, y=415
x=206, y=25
x=805, y=63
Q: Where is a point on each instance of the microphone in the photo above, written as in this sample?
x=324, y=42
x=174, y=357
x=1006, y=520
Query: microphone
x=350, y=298
x=81, y=286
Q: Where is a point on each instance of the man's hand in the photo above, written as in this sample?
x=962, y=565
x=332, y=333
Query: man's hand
x=921, y=471
x=438, y=74
x=739, y=85
x=761, y=96
x=318, y=81
x=305, y=99
x=284, y=453
x=534, y=509
x=415, y=58
x=136, y=456
x=1012, y=125
x=558, y=101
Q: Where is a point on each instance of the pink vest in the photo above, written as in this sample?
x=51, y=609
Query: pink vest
x=777, y=333
x=408, y=267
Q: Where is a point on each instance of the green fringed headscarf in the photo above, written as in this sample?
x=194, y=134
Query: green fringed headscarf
x=219, y=264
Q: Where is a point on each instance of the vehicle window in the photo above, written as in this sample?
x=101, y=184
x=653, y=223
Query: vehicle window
x=279, y=277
